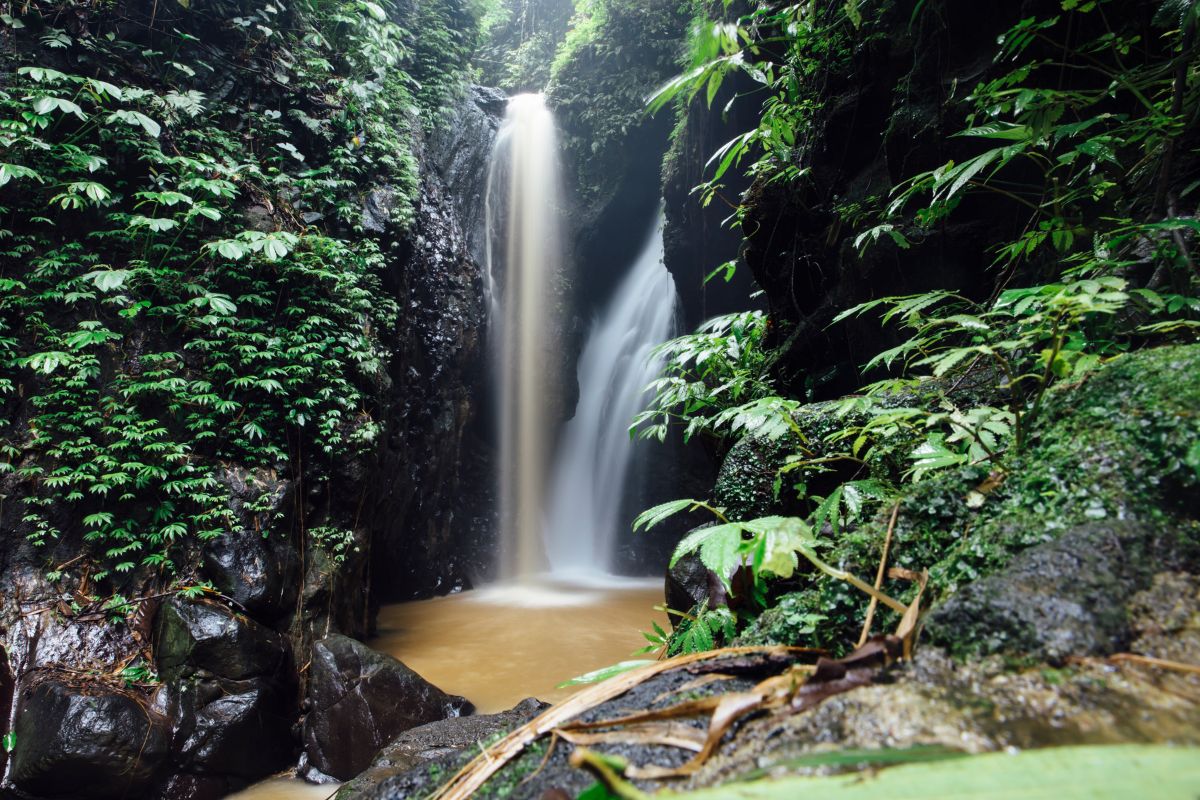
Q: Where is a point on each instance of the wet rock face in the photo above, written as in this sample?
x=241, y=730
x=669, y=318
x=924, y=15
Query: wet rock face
x=884, y=115
x=102, y=744
x=461, y=147
x=421, y=546
x=207, y=636
x=257, y=564
x=359, y=700
x=1063, y=598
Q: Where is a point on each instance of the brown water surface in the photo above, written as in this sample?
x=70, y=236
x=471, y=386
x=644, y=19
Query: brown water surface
x=500, y=645
x=285, y=789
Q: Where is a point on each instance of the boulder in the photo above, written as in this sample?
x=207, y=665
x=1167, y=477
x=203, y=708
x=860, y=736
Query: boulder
x=435, y=741
x=103, y=744
x=242, y=731
x=208, y=636
x=1063, y=598
x=359, y=700
x=378, y=207
x=690, y=583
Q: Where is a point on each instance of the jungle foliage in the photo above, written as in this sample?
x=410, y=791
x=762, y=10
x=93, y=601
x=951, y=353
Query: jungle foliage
x=1081, y=123
x=185, y=284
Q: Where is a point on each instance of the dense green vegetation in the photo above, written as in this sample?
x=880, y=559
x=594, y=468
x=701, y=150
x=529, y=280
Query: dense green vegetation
x=184, y=280
x=1079, y=124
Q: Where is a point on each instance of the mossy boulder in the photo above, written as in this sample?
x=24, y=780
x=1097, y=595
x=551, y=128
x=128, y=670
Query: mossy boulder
x=747, y=485
x=1119, y=447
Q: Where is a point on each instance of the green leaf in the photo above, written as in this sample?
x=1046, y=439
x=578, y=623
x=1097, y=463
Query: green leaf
x=43, y=74
x=652, y=516
x=220, y=304
x=10, y=172
x=604, y=673
x=107, y=280
x=374, y=9
x=1150, y=772
x=44, y=105
x=137, y=119
x=156, y=224
x=1000, y=130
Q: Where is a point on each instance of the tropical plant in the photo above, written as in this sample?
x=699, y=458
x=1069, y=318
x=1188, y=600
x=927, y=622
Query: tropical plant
x=720, y=366
x=179, y=286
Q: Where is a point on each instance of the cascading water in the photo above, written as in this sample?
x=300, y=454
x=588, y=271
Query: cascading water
x=524, y=255
x=569, y=530
x=591, y=471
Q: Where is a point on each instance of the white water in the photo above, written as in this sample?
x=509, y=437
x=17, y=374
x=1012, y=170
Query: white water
x=592, y=468
x=523, y=209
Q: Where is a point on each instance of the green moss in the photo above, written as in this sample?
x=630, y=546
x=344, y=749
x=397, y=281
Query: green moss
x=616, y=53
x=509, y=779
x=790, y=620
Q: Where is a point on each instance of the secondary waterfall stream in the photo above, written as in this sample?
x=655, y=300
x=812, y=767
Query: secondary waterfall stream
x=589, y=479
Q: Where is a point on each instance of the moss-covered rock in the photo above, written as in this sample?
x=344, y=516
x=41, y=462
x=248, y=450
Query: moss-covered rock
x=1117, y=447
x=747, y=485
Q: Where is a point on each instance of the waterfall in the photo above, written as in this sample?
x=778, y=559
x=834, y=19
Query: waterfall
x=524, y=255
x=589, y=479
x=571, y=528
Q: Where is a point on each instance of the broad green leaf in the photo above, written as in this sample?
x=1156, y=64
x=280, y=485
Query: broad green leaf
x=44, y=105
x=107, y=280
x=10, y=172
x=1115, y=772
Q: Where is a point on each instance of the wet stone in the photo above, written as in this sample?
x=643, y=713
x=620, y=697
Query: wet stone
x=1060, y=599
x=435, y=742
x=99, y=745
x=360, y=700
x=208, y=636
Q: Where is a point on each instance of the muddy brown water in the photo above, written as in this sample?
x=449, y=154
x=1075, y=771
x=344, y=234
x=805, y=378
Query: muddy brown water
x=500, y=645
x=285, y=789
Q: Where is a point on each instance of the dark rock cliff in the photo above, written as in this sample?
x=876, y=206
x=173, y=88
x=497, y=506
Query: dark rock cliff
x=419, y=505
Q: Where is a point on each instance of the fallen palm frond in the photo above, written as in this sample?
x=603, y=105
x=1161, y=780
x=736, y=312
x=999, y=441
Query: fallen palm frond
x=671, y=734
x=700, y=682
x=1150, y=661
x=471, y=777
